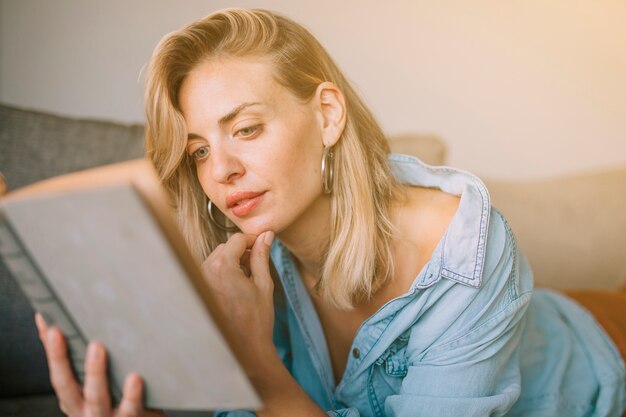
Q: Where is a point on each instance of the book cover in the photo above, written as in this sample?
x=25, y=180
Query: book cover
x=99, y=255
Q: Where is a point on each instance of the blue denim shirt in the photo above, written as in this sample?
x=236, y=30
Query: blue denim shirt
x=469, y=338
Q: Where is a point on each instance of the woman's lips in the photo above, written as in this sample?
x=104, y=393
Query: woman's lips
x=242, y=204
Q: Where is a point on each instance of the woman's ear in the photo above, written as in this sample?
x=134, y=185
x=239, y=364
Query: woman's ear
x=332, y=110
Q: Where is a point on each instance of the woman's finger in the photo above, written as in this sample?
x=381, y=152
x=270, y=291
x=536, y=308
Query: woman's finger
x=96, y=389
x=259, y=261
x=244, y=263
x=229, y=258
x=237, y=245
x=62, y=378
x=131, y=405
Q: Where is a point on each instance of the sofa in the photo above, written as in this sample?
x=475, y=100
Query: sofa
x=572, y=229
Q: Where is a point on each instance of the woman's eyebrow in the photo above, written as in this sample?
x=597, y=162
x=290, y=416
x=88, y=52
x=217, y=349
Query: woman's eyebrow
x=234, y=112
x=230, y=116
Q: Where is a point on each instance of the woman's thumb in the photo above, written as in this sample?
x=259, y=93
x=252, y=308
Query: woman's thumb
x=259, y=260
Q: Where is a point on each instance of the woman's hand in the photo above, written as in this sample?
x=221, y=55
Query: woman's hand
x=246, y=301
x=93, y=398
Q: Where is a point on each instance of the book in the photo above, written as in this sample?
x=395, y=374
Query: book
x=98, y=253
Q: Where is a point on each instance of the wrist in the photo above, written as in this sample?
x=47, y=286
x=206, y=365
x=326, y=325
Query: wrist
x=263, y=363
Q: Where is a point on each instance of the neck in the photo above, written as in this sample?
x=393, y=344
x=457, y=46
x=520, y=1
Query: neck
x=307, y=238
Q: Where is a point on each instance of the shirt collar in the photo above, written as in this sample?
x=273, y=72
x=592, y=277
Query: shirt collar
x=460, y=254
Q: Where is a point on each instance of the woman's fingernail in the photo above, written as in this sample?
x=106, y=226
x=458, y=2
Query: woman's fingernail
x=134, y=380
x=92, y=352
x=268, y=238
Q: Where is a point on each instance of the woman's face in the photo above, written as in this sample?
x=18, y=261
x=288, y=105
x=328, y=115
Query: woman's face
x=257, y=147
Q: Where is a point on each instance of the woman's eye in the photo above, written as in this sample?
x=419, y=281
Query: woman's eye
x=248, y=132
x=200, y=153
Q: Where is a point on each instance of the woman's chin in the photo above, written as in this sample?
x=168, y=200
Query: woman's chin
x=255, y=227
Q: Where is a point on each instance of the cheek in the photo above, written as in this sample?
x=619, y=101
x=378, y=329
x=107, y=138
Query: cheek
x=302, y=161
x=302, y=177
x=207, y=185
x=291, y=155
x=305, y=149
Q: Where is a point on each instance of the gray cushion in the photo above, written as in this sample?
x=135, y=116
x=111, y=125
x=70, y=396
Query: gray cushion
x=31, y=406
x=35, y=145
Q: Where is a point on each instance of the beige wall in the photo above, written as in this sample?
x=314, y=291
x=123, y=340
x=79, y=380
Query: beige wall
x=517, y=89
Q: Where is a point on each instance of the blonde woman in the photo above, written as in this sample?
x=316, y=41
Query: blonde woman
x=401, y=292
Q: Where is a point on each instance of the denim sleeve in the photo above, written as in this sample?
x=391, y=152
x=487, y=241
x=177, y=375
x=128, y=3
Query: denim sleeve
x=474, y=370
x=344, y=412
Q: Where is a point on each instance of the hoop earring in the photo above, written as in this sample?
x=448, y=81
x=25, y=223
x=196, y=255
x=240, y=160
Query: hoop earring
x=227, y=229
x=327, y=170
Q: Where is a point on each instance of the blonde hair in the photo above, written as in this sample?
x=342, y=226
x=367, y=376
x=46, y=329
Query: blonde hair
x=358, y=254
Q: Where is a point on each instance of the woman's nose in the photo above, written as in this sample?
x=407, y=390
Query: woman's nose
x=225, y=163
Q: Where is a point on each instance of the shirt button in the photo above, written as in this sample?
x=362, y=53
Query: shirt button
x=356, y=353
